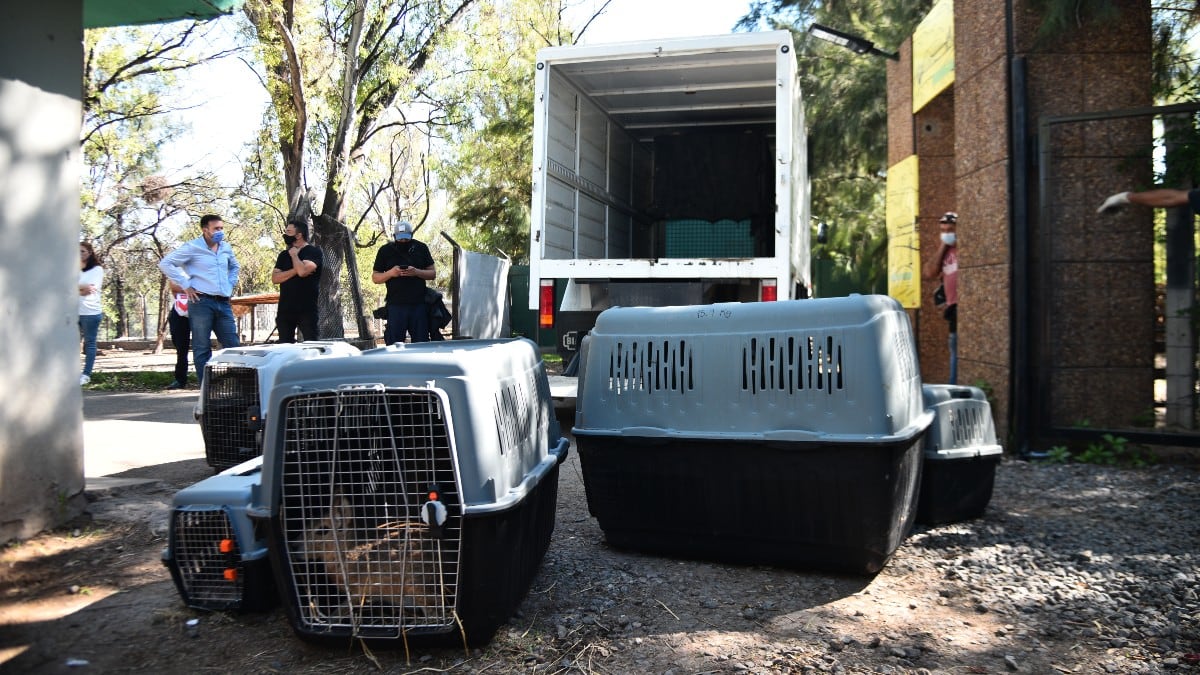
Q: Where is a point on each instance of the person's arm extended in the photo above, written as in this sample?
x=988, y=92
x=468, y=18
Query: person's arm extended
x=1163, y=198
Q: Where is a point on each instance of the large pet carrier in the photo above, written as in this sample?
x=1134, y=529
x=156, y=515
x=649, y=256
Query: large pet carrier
x=961, y=454
x=784, y=433
x=413, y=489
x=216, y=559
x=230, y=408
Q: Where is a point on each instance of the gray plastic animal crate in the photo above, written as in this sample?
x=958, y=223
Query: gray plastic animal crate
x=782, y=432
x=411, y=490
x=230, y=408
x=215, y=558
x=961, y=455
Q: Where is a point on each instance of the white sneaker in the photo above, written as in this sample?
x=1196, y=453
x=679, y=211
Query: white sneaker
x=84, y=379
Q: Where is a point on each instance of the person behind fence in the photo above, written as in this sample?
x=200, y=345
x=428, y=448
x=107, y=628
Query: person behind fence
x=944, y=265
x=298, y=275
x=181, y=334
x=91, y=278
x=207, y=271
x=404, y=264
x=1162, y=198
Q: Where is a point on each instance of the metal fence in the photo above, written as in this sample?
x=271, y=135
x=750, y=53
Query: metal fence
x=1112, y=298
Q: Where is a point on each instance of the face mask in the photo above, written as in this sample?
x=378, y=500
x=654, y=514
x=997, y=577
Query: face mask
x=218, y=237
x=289, y=239
x=948, y=238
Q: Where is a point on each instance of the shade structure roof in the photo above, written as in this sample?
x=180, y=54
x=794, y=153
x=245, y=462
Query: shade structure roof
x=105, y=13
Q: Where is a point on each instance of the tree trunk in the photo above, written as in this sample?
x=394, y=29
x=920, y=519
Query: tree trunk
x=166, y=301
x=360, y=313
x=122, y=327
x=333, y=238
x=337, y=244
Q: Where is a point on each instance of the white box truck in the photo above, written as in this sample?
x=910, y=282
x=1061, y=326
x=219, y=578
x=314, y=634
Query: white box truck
x=668, y=172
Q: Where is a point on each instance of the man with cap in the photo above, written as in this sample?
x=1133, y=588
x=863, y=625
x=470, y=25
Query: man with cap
x=944, y=265
x=404, y=264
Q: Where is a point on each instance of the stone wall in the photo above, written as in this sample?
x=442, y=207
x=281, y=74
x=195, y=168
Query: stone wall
x=1092, y=290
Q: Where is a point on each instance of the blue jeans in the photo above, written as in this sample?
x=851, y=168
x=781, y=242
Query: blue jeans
x=953, y=358
x=208, y=316
x=407, y=320
x=89, y=327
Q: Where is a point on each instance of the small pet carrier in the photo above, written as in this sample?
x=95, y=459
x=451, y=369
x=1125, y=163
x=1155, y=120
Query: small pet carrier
x=230, y=408
x=783, y=433
x=961, y=455
x=216, y=559
x=412, y=489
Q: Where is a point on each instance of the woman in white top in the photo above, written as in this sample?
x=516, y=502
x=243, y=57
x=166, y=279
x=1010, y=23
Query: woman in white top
x=91, y=276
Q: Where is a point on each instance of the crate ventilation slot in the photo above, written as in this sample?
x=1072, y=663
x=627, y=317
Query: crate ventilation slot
x=517, y=414
x=969, y=426
x=792, y=364
x=904, y=351
x=652, y=365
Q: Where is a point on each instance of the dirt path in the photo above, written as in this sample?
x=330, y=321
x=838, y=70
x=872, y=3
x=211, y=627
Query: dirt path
x=1009, y=592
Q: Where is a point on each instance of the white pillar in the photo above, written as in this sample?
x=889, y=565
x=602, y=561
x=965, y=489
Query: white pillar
x=41, y=415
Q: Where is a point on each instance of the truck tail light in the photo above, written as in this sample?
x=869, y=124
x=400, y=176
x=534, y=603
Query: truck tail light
x=770, y=293
x=546, y=304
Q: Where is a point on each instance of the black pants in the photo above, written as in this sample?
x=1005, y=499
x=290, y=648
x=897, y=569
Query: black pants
x=287, y=323
x=181, y=337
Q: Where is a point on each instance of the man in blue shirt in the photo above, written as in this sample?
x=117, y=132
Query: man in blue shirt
x=206, y=269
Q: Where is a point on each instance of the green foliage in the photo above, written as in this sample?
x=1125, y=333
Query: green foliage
x=1110, y=450
x=845, y=96
x=488, y=167
x=1064, y=16
x=988, y=390
x=1058, y=454
x=134, y=380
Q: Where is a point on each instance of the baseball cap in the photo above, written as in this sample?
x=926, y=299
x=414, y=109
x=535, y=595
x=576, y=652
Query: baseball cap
x=404, y=230
x=949, y=217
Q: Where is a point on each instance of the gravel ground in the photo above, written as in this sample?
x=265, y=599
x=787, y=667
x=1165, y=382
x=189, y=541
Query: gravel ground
x=1072, y=569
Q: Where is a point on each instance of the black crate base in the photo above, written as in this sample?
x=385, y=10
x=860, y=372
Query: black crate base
x=953, y=490
x=836, y=507
x=501, y=554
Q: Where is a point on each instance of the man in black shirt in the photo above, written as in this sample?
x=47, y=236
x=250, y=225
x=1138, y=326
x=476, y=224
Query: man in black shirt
x=404, y=265
x=298, y=274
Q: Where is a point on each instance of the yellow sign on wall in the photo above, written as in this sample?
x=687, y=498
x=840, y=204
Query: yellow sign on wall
x=904, y=252
x=933, y=53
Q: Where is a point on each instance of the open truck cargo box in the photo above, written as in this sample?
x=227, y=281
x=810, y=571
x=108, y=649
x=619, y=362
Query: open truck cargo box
x=668, y=172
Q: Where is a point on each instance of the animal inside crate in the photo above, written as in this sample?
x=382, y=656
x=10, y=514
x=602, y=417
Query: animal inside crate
x=230, y=408
x=216, y=559
x=415, y=488
x=779, y=432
